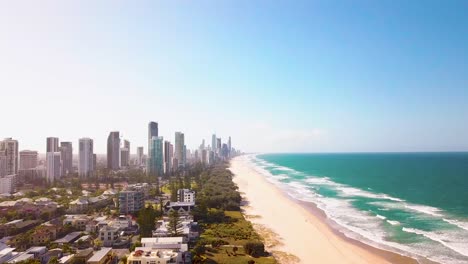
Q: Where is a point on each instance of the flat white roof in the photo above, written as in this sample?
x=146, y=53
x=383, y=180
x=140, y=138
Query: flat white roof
x=162, y=240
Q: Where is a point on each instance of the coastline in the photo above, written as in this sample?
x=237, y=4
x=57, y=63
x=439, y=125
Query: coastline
x=302, y=229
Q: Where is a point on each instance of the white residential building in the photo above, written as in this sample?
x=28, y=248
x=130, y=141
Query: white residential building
x=108, y=235
x=156, y=256
x=172, y=243
x=185, y=195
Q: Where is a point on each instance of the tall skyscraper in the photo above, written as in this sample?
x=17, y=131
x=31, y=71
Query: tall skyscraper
x=66, y=151
x=229, y=145
x=213, y=143
x=140, y=154
x=179, y=149
x=28, y=159
x=124, y=157
x=218, y=146
x=86, y=158
x=54, y=168
x=152, y=132
x=9, y=148
x=155, y=162
x=113, y=150
x=167, y=158
x=52, y=144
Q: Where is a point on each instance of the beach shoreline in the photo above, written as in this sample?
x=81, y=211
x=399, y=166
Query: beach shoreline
x=303, y=229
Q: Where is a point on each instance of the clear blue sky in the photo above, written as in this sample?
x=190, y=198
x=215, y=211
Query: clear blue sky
x=282, y=76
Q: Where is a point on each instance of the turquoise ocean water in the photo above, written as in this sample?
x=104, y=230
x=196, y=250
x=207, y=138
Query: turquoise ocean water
x=411, y=203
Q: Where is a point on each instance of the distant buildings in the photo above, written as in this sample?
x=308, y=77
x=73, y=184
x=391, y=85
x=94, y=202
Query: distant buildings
x=28, y=159
x=140, y=154
x=155, y=160
x=168, y=156
x=66, y=151
x=9, y=149
x=125, y=154
x=8, y=184
x=52, y=144
x=113, y=151
x=179, y=150
x=86, y=158
x=152, y=132
x=54, y=168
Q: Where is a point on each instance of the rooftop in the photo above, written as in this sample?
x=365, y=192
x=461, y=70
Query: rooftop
x=68, y=238
x=99, y=255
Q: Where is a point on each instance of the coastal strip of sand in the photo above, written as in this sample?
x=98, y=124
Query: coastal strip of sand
x=303, y=236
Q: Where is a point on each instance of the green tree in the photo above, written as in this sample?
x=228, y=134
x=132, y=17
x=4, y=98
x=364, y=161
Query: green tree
x=146, y=219
x=53, y=260
x=174, y=226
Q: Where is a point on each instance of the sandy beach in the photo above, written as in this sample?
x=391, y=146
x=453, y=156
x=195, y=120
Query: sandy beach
x=301, y=232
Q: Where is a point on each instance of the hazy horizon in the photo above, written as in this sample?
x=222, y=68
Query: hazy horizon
x=282, y=77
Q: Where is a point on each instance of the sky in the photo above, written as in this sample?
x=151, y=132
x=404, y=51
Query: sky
x=276, y=76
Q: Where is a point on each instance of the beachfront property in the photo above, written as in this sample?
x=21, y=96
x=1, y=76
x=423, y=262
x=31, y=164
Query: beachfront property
x=183, y=208
x=178, y=244
x=186, y=196
x=188, y=228
x=159, y=256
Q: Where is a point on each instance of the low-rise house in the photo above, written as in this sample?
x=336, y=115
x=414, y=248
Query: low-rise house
x=16, y=227
x=159, y=256
x=20, y=257
x=66, y=259
x=56, y=252
x=183, y=208
x=83, y=242
x=108, y=235
x=103, y=256
x=37, y=252
x=6, y=254
x=44, y=234
x=78, y=221
x=68, y=238
x=82, y=256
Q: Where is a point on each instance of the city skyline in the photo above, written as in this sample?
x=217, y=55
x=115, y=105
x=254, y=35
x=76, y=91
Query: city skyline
x=277, y=77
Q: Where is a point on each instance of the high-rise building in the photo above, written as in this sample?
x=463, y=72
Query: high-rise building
x=52, y=144
x=155, y=161
x=9, y=148
x=113, y=150
x=7, y=184
x=66, y=151
x=218, y=146
x=213, y=143
x=229, y=145
x=204, y=158
x=86, y=163
x=184, y=155
x=3, y=164
x=124, y=157
x=140, y=154
x=54, y=168
x=167, y=158
x=28, y=159
x=179, y=149
x=152, y=132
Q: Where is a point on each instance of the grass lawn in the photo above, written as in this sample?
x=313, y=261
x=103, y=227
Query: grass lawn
x=226, y=255
x=236, y=231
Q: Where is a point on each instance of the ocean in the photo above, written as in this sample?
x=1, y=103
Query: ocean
x=410, y=203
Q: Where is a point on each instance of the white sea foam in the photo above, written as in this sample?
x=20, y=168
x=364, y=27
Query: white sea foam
x=381, y=217
x=351, y=191
x=393, y=222
x=320, y=181
x=448, y=241
x=460, y=224
x=425, y=209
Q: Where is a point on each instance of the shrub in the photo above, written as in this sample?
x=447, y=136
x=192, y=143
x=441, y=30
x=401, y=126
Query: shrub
x=254, y=249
